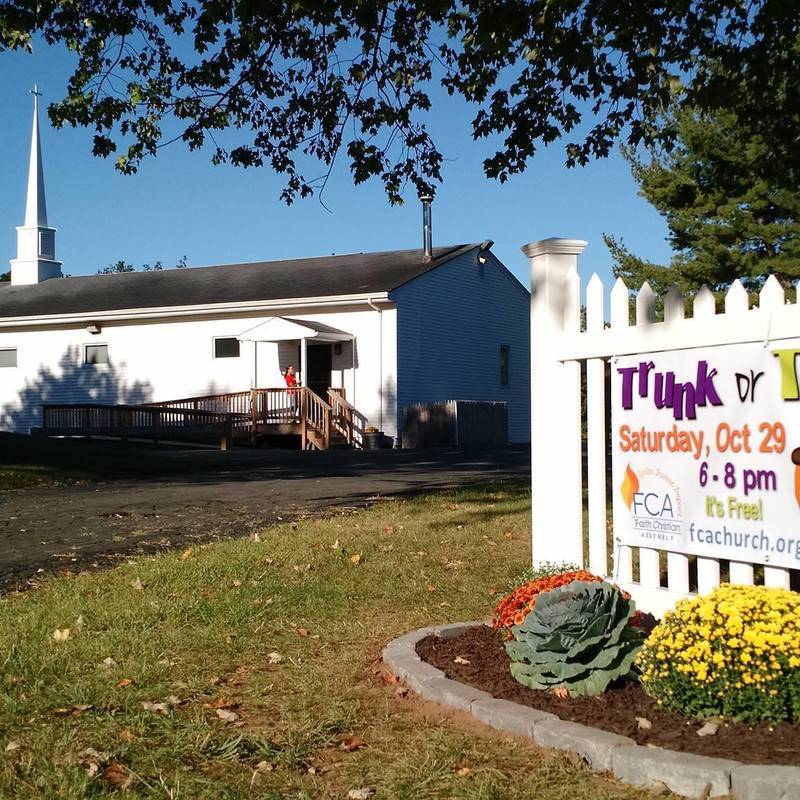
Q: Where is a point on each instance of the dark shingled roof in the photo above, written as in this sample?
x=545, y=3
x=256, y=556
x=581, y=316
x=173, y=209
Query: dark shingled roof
x=357, y=273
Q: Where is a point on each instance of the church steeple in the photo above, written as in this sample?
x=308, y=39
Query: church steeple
x=36, y=240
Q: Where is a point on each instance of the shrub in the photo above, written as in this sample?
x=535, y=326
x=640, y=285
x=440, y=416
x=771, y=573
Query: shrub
x=733, y=653
x=577, y=638
x=518, y=603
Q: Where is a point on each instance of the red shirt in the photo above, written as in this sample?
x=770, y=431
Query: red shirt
x=291, y=380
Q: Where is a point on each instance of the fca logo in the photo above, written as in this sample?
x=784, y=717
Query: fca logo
x=655, y=505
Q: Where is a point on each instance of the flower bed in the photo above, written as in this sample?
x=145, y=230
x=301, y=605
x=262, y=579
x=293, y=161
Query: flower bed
x=616, y=710
x=719, y=676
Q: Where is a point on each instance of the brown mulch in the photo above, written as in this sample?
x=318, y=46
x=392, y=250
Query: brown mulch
x=616, y=710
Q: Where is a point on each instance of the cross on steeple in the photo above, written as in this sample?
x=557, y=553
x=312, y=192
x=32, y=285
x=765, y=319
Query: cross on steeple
x=35, y=91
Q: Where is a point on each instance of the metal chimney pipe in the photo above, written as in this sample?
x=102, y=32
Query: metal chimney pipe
x=427, y=230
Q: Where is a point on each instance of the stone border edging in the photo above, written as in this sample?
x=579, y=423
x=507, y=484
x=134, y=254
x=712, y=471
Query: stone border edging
x=646, y=767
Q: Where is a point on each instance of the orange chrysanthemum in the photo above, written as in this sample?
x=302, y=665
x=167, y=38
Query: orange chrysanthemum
x=516, y=605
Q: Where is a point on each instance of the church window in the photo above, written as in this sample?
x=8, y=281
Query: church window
x=96, y=354
x=226, y=347
x=505, y=352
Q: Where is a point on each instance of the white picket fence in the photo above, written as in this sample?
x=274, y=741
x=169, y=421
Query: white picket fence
x=558, y=346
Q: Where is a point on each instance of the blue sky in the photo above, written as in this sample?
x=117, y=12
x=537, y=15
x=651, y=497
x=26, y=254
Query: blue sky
x=180, y=204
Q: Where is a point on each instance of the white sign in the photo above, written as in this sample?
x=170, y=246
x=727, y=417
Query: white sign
x=706, y=452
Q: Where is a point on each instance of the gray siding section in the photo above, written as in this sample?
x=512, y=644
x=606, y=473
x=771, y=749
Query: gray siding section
x=451, y=323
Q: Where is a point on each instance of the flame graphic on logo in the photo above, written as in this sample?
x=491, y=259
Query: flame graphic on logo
x=629, y=486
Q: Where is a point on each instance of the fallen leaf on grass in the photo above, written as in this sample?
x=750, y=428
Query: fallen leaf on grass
x=561, y=692
x=223, y=702
x=388, y=529
x=350, y=743
x=234, y=584
x=11, y=747
x=430, y=588
x=274, y=658
x=118, y=776
x=336, y=545
x=261, y=768
x=389, y=678
x=462, y=771
x=229, y=638
x=460, y=660
x=301, y=631
x=122, y=683
x=355, y=559
x=128, y=736
x=209, y=595
x=227, y=716
x=156, y=708
x=362, y=793
x=72, y=711
x=108, y=663
x=61, y=634
x=186, y=554
x=137, y=585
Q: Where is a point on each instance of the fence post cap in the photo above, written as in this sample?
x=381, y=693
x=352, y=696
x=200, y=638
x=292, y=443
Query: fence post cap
x=555, y=246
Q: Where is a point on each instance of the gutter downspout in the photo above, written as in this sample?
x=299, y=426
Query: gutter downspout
x=380, y=360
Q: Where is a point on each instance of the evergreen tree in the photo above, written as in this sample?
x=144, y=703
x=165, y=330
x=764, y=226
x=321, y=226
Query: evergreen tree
x=731, y=203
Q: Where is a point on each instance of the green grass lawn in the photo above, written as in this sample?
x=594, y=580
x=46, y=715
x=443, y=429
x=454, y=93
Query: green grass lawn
x=260, y=658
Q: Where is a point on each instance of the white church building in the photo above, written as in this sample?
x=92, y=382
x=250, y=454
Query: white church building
x=385, y=330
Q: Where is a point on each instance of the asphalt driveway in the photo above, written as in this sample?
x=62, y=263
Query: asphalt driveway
x=180, y=497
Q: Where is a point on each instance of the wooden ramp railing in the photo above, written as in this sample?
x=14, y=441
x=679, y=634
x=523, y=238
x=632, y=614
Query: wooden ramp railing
x=217, y=417
x=140, y=422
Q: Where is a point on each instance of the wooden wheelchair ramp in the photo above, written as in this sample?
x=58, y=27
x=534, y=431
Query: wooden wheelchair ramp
x=221, y=419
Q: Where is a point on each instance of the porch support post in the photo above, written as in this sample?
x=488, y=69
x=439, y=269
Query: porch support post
x=304, y=360
x=556, y=504
x=353, y=370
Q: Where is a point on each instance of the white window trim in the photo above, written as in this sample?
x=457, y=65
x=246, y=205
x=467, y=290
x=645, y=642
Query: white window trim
x=214, y=349
x=16, y=351
x=87, y=363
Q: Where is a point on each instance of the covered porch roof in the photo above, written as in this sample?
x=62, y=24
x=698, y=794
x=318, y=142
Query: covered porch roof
x=286, y=329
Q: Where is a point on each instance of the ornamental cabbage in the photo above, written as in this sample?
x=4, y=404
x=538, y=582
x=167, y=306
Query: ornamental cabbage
x=577, y=637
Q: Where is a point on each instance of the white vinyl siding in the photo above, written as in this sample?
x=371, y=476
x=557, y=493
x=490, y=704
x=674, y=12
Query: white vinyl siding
x=8, y=357
x=452, y=322
x=167, y=359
